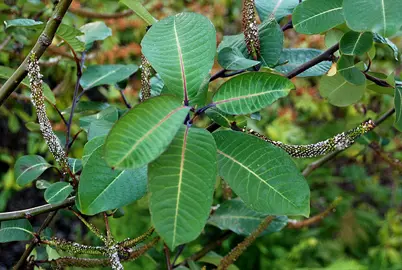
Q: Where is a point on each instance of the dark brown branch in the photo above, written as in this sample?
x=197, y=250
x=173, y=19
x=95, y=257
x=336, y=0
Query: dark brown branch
x=167, y=257
x=44, y=40
x=377, y=81
x=86, y=13
x=31, y=212
x=325, y=56
x=287, y=26
x=125, y=99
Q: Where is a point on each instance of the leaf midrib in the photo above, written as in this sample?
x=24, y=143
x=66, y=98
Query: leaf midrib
x=146, y=135
x=257, y=176
x=30, y=168
x=182, y=158
x=247, y=96
x=312, y=17
x=57, y=193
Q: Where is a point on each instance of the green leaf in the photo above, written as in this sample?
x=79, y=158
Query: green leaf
x=6, y=72
x=354, y=43
x=86, y=106
x=140, y=10
x=99, y=128
x=15, y=230
x=379, y=39
x=181, y=49
x=91, y=146
x=92, y=32
x=181, y=185
x=28, y=168
x=398, y=108
x=271, y=40
x=143, y=133
x=220, y=117
x=69, y=35
x=234, y=215
x=157, y=85
x=379, y=16
x=231, y=58
x=340, y=92
x=294, y=58
x=75, y=164
x=317, y=16
x=102, y=188
x=346, y=67
x=106, y=74
x=109, y=114
x=278, y=9
x=32, y=24
x=264, y=176
x=58, y=192
x=250, y=92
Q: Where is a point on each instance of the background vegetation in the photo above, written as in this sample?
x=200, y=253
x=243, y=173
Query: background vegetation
x=365, y=230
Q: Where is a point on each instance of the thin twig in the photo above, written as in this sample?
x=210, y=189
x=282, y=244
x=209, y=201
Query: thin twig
x=86, y=13
x=207, y=248
x=325, y=56
x=44, y=40
x=298, y=224
x=167, y=257
x=125, y=99
x=31, y=212
x=287, y=26
x=21, y=262
x=77, y=86
x=59, y=113
x=241, y=247
x=393, y=162
x=75, y=138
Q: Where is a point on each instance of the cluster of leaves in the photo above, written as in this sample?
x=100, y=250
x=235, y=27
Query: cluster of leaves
x=159, y=147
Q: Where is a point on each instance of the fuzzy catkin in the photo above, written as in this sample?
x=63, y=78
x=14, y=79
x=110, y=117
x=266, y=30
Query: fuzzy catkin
x=38, y=100
x=338, y=142
x=250, y=29
x=145, y=78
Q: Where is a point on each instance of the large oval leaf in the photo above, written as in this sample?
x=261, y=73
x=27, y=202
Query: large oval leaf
x=181, y=184
x=275, y=8
x=398, y=108
x=181, y=49
x=354, y=43
x=58, y=192
x=250, y=92
x=142, y=134
x=234, y=215
x=102, y=188
x=340, y=92
x=106, y=74
x=28, y=168
x=264, y=176
x=91, y=146
x=379, y=16
x=15, y=230
x=317, y=16
x=231, y=58
x=294, y=58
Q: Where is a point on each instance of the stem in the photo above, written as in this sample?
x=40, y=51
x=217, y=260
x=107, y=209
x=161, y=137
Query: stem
x=86, y=13
x=108, y=233
x=77, y=86
x=167, y=257
x=125, y=99
x=207, y=248
x=44, y=40
x=295, y=224
x=241, y=247
x=325, y=56
x=31, y=212
x=287, y=26
x=393, y=162
x=21, y=262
